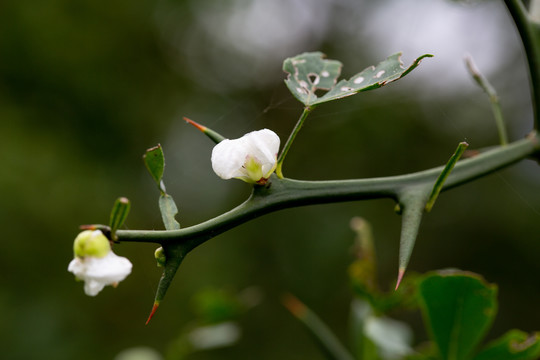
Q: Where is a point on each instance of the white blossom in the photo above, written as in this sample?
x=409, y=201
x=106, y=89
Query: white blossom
x=251, y=158
x=96, y=264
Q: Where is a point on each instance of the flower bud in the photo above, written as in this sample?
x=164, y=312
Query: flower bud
x=159, y=254
x=91, y=243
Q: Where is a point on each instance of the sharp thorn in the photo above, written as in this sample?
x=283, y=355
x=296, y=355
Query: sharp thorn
x=197, y=125
x=154, y=308
x=400, y=277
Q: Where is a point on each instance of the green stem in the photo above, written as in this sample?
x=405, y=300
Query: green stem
x=324, y=336
x=287, y=146
x=499, y=120
x=493, y=99
x=529, y=32
x=280, y=194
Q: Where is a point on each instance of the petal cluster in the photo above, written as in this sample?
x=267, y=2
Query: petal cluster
x=251, y=158
x=97, y=271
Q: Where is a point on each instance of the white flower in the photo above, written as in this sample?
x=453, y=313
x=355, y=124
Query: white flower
x=97, y=269
x=251, y=158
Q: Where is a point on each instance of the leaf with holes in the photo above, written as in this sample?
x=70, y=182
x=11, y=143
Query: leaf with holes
x=310, y=72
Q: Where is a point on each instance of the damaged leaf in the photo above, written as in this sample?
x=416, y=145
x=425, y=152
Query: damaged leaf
x=310, y=72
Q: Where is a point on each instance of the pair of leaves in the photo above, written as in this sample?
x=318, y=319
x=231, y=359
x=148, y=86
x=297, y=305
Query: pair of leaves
x=154, y=159
x=459, y=308
x=310, y=72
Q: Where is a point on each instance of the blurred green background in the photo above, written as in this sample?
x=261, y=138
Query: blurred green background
x=86, y=87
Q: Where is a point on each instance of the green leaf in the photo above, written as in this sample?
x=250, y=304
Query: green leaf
x=310, y=72
x=168, y=209
x=462, y=146
x=119, y=214
x=154, y=160
x=458, y=308
x=514, y=345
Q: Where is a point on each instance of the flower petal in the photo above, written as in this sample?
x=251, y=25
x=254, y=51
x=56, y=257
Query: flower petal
x=100, y=272
x=92, y=287
x=76, y=267
x=263, y=145
x=109, y=269
x=228, y=157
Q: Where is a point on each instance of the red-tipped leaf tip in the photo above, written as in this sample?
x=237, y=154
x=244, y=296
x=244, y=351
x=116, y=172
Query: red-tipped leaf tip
x=87, y=227
x=400, y=277
x=197, y=125
x=154, y=308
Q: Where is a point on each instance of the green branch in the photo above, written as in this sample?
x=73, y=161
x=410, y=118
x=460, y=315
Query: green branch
x=280, y=194
x=529, y=31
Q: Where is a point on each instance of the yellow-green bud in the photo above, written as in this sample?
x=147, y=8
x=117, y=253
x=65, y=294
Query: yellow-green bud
x=91, y=243
x=160, y=257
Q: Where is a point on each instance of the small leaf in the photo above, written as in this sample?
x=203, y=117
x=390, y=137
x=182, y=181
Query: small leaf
x=155, y=163
x=514, y=345
x=168, y=209
x=309, y=72
x=119, y=214
x=462, y=146
x=458, y=308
